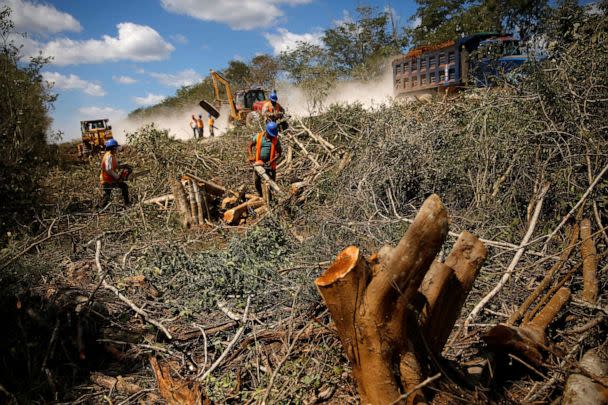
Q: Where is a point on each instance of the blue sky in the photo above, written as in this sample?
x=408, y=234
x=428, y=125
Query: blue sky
x=114, y=56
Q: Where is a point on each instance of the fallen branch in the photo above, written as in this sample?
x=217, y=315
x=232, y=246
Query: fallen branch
x=513, y=263
x=589, y=254
x=260, y=170
x=235, y=339
x=416, y=388
x=124, y=299
x=326, y=145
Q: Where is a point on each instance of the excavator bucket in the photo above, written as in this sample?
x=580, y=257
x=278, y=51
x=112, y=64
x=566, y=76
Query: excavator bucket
x=209, y=108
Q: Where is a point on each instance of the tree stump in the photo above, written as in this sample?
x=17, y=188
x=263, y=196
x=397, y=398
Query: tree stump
x=385, y=323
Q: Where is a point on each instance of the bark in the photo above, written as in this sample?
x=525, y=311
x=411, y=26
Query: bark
x=182, y=202
x=228, y=202
x=523, y=308
x=192, y=201
x=199, y=203
x=589, y=254
x=370, y=301
x=232, y=216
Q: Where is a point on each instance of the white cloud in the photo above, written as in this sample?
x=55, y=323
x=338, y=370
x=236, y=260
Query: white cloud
x=186, y=77
x=180, y=39
x=94, y=112
x=73, y=82
x=237, y=14
x=134, y=42
x=40, y=18
x=415, y=23
x=283, y=40
x=150, y=99
x=124, y=79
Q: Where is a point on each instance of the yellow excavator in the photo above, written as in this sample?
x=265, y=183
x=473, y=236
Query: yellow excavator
x=245, y=105
x=94, y=135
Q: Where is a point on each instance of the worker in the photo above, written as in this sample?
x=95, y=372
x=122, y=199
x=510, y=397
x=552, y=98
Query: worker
x=199, y=126
x=272, y=110
x=267, y=153
x=109, y=176
x=211, y=122
x=193, y=126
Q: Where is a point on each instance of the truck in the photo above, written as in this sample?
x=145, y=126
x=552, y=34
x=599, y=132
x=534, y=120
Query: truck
x=245, y=105
x=94, y=134
x=473, y=60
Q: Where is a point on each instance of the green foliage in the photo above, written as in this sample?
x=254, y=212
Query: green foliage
x=442, y=20
x=238, y=74
x=247, y=267
x=24, y=103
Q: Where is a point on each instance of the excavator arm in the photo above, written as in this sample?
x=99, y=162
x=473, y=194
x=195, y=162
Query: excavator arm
x=216, y=77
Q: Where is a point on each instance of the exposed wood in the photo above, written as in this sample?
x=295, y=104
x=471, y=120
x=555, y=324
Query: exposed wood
x=589, y=254
x=370, y=308
x=232, y=216
x=260, y=170
x=193, y=210
x=160, y=199
x=523, y=308
x=175, y=390
x=182, y=203
x=210, y=187
x=228, y=202
x=482, y=303
x=199, y=204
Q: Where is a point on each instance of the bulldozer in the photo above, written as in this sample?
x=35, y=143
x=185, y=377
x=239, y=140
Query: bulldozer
x=94, y=135
x=245, y=105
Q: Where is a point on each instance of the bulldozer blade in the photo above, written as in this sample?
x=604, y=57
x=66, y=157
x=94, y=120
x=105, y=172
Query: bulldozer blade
x=209, y=108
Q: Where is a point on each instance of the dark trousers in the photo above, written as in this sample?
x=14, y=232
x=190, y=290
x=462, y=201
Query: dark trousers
x=257, y=179
x=107, y=192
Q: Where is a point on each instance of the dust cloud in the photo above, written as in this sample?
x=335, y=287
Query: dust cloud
x=177, y=122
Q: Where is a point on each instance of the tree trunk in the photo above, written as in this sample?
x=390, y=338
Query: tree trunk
x=233, y=215
x=370, y=302
x=182, y=203
x=589, y=253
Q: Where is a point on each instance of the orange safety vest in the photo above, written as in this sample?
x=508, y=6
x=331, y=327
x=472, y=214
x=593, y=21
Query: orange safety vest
x=258, y=149
x=211, y=121
x=105, y=177
x=198, y=121
x=272, y=109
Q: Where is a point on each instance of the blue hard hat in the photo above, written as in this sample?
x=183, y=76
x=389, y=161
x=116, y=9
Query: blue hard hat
x=273, y=96
x=272, y=128
x=111, y=143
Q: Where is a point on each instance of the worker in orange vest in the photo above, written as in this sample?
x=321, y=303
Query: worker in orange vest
x=109, y=177
x=198, y=130
x=211, y=123
x=267, y=153
x=272, y=110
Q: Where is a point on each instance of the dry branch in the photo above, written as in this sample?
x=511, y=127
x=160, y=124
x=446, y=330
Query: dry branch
x=124, y=299
x=511, y=267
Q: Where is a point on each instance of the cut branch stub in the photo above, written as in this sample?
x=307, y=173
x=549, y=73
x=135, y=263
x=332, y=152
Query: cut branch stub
x=369, y=305
x=589, y=254
x=529, y=340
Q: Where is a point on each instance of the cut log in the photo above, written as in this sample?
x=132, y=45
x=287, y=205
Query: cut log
x=581, y=389
x=158, y=200
x=175, y=390
x=260, y=170
x=232, y=216
x=228, y=202
x=210, y=187
x=199, y=203
x=371, y=308
x=193, y=210
x=182, y=202
x=589, y=254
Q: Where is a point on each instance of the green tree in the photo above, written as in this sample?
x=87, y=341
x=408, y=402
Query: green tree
x=238, y=74
x=442, y=20
x=353, y=43
x=263, y=70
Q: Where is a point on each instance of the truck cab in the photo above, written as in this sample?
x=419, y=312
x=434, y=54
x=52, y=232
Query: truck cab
x=251, y=100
